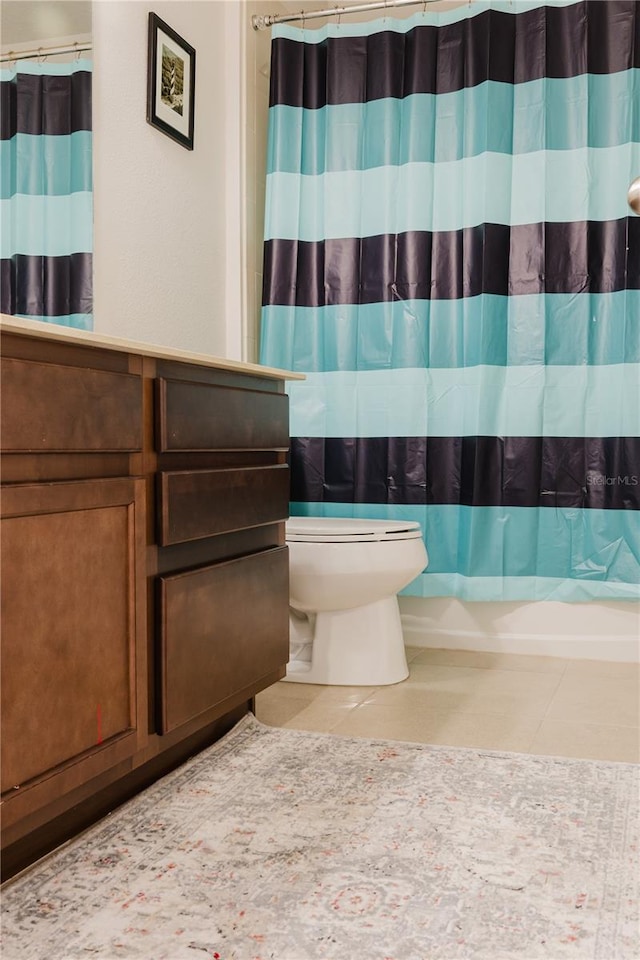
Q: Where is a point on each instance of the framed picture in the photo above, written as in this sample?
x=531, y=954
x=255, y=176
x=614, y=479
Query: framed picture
x=171, y=79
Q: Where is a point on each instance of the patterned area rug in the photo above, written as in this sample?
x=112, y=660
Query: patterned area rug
x=285, y=845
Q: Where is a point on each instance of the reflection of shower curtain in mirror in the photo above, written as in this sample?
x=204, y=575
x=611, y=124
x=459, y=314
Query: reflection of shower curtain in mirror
x=47, y=199
x=450, y=258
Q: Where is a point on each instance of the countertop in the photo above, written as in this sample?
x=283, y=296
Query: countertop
x=61, y=334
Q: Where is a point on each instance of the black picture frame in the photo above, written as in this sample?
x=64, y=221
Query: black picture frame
x=171, y=82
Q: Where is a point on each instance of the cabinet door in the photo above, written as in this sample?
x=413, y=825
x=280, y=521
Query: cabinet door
x=73, y=638
x=223, y=629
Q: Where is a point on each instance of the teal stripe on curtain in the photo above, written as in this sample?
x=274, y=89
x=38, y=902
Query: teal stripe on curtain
x=558, y=589
x=54, y=226
x=45, y=165
x=504, y=396
x=580, y=554
x=553, y=329
x=520, y=401
x=81, y=321
x=48, y=68
x=572, y=113
x=559, y=186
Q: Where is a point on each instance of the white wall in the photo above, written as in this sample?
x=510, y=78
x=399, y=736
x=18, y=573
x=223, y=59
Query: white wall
x=167, y=240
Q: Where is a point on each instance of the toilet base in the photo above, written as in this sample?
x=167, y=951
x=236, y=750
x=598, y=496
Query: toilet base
x=363, y=646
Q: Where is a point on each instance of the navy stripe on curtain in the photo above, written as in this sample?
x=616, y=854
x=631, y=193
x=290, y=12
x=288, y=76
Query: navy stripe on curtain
x=46, y=192
x=450, y=258
x=589, y=473
x=556, y=42
x=51, y=287
x=45, y=105
x=574, y=258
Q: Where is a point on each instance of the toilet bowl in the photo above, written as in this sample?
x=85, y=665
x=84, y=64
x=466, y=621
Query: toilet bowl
x=343, y=611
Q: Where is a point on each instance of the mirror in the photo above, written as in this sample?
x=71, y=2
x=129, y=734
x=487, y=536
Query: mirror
x=47, y=248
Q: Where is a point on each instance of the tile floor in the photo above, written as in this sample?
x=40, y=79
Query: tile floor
x=526, y=704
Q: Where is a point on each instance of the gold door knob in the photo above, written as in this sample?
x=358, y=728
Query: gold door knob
x=633, y=196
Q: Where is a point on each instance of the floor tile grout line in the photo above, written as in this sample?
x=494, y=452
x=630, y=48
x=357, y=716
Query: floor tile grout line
x=373, y=693
x=492, y=669
x=549, y=698
x=553, y=696
x=564, y=661
x=524, y=748
x=483, y=714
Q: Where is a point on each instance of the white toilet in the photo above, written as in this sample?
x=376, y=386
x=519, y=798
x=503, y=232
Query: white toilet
x=343, y=611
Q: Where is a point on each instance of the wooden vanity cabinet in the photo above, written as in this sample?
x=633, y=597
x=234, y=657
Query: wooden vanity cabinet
x=73, y=701
x=222, y=493
x=145, y=572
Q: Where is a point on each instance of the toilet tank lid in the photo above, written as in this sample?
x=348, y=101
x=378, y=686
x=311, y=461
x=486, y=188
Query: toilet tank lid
x=337, y=530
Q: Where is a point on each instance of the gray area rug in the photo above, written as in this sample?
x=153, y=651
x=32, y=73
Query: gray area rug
x=286, y=845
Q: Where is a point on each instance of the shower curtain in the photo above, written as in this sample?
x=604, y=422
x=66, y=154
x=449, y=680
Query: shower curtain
x=46, y=192
x=450, y=259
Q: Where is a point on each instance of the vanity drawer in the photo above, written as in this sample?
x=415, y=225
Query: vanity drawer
x=222, y=628
x=52, y=408
x=202, y=416
x=194, y=504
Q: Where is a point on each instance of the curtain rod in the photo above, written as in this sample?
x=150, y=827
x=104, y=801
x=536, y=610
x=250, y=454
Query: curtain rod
x=43, y=52
x=262, y=22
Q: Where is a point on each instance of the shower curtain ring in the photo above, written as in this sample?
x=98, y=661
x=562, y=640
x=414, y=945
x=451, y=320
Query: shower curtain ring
x=77, y=51
x=41, y=56
x=338, y=14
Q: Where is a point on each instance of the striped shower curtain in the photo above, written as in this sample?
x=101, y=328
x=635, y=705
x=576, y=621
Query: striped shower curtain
x=450, y=258
x=47, y=199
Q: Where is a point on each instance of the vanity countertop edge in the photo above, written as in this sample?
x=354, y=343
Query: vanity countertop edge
x=62, y=334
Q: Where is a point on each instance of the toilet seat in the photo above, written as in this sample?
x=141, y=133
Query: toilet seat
x=350, y=530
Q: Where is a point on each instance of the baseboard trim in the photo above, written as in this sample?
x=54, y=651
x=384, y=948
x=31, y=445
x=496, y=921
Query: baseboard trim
x=420, y=633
